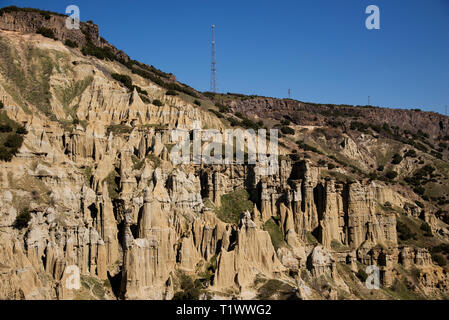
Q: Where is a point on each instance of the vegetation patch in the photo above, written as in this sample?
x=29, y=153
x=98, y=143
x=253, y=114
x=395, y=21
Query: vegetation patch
x=113, y=181
x=22, y=219
x=233, y=205
x=117, y=129
x=277, y=237
x=190, y=289
x=11, y=137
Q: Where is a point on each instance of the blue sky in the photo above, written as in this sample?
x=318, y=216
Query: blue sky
x=320, y=49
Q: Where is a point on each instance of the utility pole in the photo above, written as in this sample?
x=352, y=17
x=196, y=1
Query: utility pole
x=289, y=93
x=213, y=75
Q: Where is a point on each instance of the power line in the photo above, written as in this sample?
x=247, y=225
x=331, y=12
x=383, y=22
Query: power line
x=213, y=75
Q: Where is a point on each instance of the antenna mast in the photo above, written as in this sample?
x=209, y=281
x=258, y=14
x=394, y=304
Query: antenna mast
x=213, y=75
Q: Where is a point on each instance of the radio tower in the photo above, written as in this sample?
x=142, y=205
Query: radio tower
x=213, y=74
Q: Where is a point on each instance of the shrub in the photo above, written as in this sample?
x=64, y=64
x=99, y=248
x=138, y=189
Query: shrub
x=21, y=130
x=217, y=113
x=391, y=174
x=276, y=235
x=361, y=274
x=140, y=90
x=197, y=102
x=5, y=128
x=5, y=154
x=439, y=259
x=427, y=229
x=102, y=53
x=330, y=166
x=249, y=124
x=171, y=93
x=410, y=153
x=397, y=158
x=294, y=157
x=190, y=289
x=222, y=108
x=380, y=168
x=22, y=219
x=46, y=33
x=70, y=43
x=233, y=205
x=419, y=190
x=158, y=103
x=287, y=130
x=404, y=231
x=14, y=141
x=1, y=105
x=124, y=79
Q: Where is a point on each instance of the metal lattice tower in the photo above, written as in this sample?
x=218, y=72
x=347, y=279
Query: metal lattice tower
x=213, y=74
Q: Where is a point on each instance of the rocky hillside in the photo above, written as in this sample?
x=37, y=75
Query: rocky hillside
x=86, y=181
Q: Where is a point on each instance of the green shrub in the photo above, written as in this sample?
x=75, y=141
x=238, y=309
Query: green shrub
x=70, y=43
x=330, y=166
x=102, y=53
x=22, y=219
x=197, y=102
x=46, y=33
x=190, y=290
x=439, y=259
x=427, y=229
x=5, y=154
x=112, y=181
x=361, y=274
x=21, y=130
x=5, y=128
x=404, y=231
x=391, y=174
x=217, y=113
x=410, y=153
x=171, y=93
x=1, y=105
x=124, y=79
x=118, y=129
x=287, y=130
x=13, y=141
x=222, y=108
x=140, y=90
x=233, y=205
x=158, y=103
x=397, y=159
x=277, y=238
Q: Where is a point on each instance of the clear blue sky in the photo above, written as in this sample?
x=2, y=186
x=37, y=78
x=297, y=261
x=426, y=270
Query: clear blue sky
x=318, y=48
